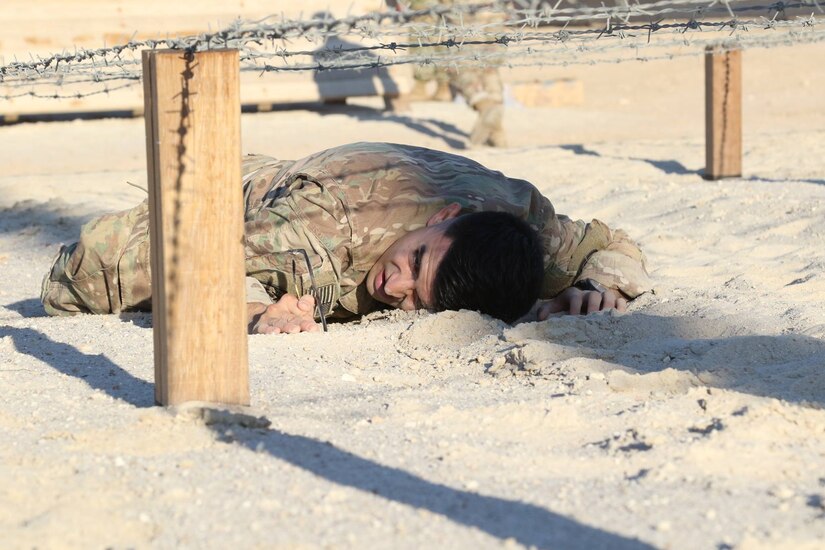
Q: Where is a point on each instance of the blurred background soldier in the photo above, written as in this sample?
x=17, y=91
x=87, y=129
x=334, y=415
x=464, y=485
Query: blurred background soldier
x=484, y=92
x=422, y=74
x=481, y=87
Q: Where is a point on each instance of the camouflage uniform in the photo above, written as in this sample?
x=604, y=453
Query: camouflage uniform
x=343, y=206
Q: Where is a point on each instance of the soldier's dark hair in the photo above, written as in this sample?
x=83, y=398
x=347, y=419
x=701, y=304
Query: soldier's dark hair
x=494, y=265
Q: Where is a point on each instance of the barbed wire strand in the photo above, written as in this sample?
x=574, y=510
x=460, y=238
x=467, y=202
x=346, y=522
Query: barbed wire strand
x=515, y=34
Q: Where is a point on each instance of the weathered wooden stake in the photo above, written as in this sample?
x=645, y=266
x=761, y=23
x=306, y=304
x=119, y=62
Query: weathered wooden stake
x=723, y=113
x=192, y=112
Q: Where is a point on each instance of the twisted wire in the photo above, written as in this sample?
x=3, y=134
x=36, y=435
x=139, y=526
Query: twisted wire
x=492, y=33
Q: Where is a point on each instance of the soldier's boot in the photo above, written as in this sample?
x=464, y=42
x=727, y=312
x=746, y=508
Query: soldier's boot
x=418, y=92
x=497, y=138
x=56, y=292
x=443, y=92
x=488, y=129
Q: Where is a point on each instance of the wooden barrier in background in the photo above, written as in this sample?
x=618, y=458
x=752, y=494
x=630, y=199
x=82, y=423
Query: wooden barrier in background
x=723, y=114
x=192, y=111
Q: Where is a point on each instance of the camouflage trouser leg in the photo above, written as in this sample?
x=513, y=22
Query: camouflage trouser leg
x=484, y=92
x=106, y=271
x=478, y=84
x=430, y=71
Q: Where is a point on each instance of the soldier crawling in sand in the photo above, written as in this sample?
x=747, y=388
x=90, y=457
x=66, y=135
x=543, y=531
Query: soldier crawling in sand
x=382, y=225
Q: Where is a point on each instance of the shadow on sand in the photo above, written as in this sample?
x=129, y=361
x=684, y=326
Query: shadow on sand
x=526, y=523
x=44, y=221
x=666, y=166
x=748, y=363
x=98, y=371
x=713, y=352
x=450, y=134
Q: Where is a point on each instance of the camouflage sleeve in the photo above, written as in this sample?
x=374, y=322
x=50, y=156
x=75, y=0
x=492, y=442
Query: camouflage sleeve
x=255, y=292
x=621, y=265
x=608, y=256
x=576, y=250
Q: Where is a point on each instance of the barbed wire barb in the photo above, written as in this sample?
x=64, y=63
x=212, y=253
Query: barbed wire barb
x=483, y=34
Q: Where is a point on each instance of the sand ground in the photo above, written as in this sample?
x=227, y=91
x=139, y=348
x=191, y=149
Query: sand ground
x=694, y=420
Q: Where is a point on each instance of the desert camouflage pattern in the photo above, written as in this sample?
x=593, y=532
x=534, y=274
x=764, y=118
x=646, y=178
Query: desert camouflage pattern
x=478, y=85
x=343, y=206
x=106, y=271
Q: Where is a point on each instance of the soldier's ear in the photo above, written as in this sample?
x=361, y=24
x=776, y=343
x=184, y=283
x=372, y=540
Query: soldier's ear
x=448, y=212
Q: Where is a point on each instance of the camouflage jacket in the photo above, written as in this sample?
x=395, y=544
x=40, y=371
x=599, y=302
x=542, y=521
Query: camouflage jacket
x=346, y=205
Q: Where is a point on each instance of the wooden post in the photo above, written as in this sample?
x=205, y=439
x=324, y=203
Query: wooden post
x=193, y=153
x=723, y=113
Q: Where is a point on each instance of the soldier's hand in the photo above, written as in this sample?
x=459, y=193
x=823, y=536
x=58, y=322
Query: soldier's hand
x=581, y=302
x=286, y=316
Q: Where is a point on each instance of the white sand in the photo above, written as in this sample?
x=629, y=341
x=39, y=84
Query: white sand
x=695, y=420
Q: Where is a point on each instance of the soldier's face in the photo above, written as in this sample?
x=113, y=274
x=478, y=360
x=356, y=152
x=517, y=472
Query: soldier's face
x=403, y=276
